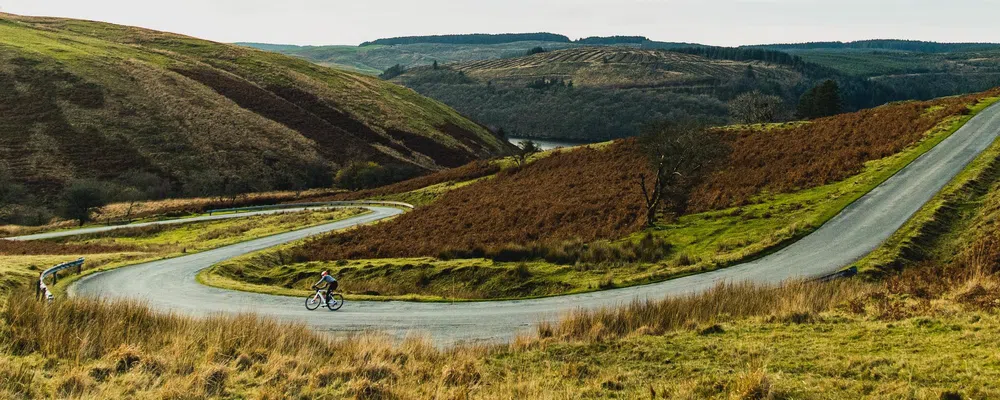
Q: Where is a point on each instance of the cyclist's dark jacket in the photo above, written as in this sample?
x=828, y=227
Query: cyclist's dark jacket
x=331, y=282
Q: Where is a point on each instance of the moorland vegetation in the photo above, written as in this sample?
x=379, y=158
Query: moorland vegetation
x=452, y=248
x=156, y=115
x=554, y=198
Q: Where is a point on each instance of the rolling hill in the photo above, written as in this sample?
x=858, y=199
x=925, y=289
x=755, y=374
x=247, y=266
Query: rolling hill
x=376, y=56
x=641, y=83
x=617, y=67
x=91, y=100
x=914, y=69
x=374, y=59
x=597, y=93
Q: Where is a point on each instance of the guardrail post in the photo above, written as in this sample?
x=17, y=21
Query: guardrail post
x=38, y=286
x=55, y=277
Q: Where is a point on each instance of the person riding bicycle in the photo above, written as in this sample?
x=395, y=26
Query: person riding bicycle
x=331, y=283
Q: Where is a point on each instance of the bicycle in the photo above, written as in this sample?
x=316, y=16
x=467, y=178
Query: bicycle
x=333, y=302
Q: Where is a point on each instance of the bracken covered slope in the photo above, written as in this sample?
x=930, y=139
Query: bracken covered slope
x=82, y=99
x=592, y=194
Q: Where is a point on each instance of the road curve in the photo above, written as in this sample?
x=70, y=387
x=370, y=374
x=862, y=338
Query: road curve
x=852, y=234
x=204, y=218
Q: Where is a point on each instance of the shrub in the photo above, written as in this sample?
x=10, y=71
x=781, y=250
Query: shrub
x=369, y=175
x=81, y=197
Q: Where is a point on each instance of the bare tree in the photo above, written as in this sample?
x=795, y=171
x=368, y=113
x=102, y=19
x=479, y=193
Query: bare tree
x=755, y=108
x=679, y=154
x=81, y=197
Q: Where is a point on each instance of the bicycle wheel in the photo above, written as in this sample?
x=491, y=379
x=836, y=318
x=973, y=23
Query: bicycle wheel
x=336, y=301
x=313, y=302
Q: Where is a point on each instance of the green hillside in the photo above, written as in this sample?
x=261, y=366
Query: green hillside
x=597, y=93
x=377, y=58
x=99, y=101
x=886, y=44
x=617, y=67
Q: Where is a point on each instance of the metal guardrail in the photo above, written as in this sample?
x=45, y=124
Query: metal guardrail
x=312, y=205
x=847, y=273
x=43, y=289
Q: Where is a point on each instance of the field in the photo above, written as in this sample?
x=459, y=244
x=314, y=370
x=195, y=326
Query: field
x=193, y=118
x=467, y=252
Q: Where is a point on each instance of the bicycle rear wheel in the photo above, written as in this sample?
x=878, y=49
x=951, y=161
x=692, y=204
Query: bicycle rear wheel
x=336, y=301
x=313, y=302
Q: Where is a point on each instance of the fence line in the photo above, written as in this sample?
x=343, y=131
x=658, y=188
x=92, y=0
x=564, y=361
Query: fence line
x=43, y=289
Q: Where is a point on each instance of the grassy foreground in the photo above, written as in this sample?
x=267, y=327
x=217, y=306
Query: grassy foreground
x=838, y=340
x=930, y=332
x=692, y=244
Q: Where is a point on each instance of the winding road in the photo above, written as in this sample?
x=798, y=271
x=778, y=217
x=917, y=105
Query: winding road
x=203, y=218
x=849, y=236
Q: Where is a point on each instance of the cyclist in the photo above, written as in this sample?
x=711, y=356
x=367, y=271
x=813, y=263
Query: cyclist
x=331, y=284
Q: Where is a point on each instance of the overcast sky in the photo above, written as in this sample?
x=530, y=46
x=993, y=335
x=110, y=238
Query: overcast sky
x=716, y=22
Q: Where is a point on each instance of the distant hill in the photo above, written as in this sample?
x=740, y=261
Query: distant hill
x=612, y=40
x=478, y=38
x=82, y=99
x=376, y=56
x=605, y=92
x=897, y=45
x=596, y=93
x=615, y=67
x=490, y=82
x=373, y=60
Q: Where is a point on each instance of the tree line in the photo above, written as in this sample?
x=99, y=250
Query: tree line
x=478, y=38
x=612, y=40
x=882, y=44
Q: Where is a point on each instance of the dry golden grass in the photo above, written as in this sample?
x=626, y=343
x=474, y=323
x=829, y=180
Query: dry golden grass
x=12, y=248
x=117, y=212
x=791, y=301
x=98, y=349
x=144, y=209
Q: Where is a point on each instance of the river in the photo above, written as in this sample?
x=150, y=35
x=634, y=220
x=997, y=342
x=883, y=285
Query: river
x=547, y=144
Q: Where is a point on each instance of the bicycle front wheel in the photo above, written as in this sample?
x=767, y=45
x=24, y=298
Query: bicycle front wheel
x=313, y=302
x=336, y=301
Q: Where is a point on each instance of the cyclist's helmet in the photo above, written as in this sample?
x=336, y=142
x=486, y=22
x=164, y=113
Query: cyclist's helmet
x=325, y=273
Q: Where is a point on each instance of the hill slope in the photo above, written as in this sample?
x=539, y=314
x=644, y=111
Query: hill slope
x=618, y=67
x=93, y=100
x=614, y=91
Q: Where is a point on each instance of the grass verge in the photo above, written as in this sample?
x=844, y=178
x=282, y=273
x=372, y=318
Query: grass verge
x=935, y=223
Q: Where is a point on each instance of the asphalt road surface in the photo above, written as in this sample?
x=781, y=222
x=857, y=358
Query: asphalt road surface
x=204, y=218
x=849, y=236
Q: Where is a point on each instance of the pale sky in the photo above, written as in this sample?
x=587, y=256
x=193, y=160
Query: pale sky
x=715, y=22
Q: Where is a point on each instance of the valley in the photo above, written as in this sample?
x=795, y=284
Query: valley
x=761, y=221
